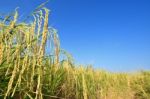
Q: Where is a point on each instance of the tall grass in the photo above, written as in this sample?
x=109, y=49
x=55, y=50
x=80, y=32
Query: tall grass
x=28, y=71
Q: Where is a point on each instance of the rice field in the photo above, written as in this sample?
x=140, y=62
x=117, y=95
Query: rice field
x=30, y=66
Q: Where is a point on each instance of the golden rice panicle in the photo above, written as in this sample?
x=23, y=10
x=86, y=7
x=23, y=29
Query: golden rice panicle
x=45, y=32
x=57, y=46
x=42, y=52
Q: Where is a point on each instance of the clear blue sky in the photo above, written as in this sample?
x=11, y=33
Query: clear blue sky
x=110, y=34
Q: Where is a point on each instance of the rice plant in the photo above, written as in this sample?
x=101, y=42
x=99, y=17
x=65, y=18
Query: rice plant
x=30, y=66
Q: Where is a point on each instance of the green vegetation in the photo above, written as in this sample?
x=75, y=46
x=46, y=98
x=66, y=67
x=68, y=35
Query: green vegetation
x=29, y=71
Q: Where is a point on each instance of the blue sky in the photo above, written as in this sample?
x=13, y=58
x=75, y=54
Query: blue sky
x=110, y=34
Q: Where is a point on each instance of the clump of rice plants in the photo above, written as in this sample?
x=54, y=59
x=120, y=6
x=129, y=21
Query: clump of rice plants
x=24, y=63
x=30, y=67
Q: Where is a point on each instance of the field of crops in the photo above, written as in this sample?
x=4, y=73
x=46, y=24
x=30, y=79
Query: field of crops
x=30, y=66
